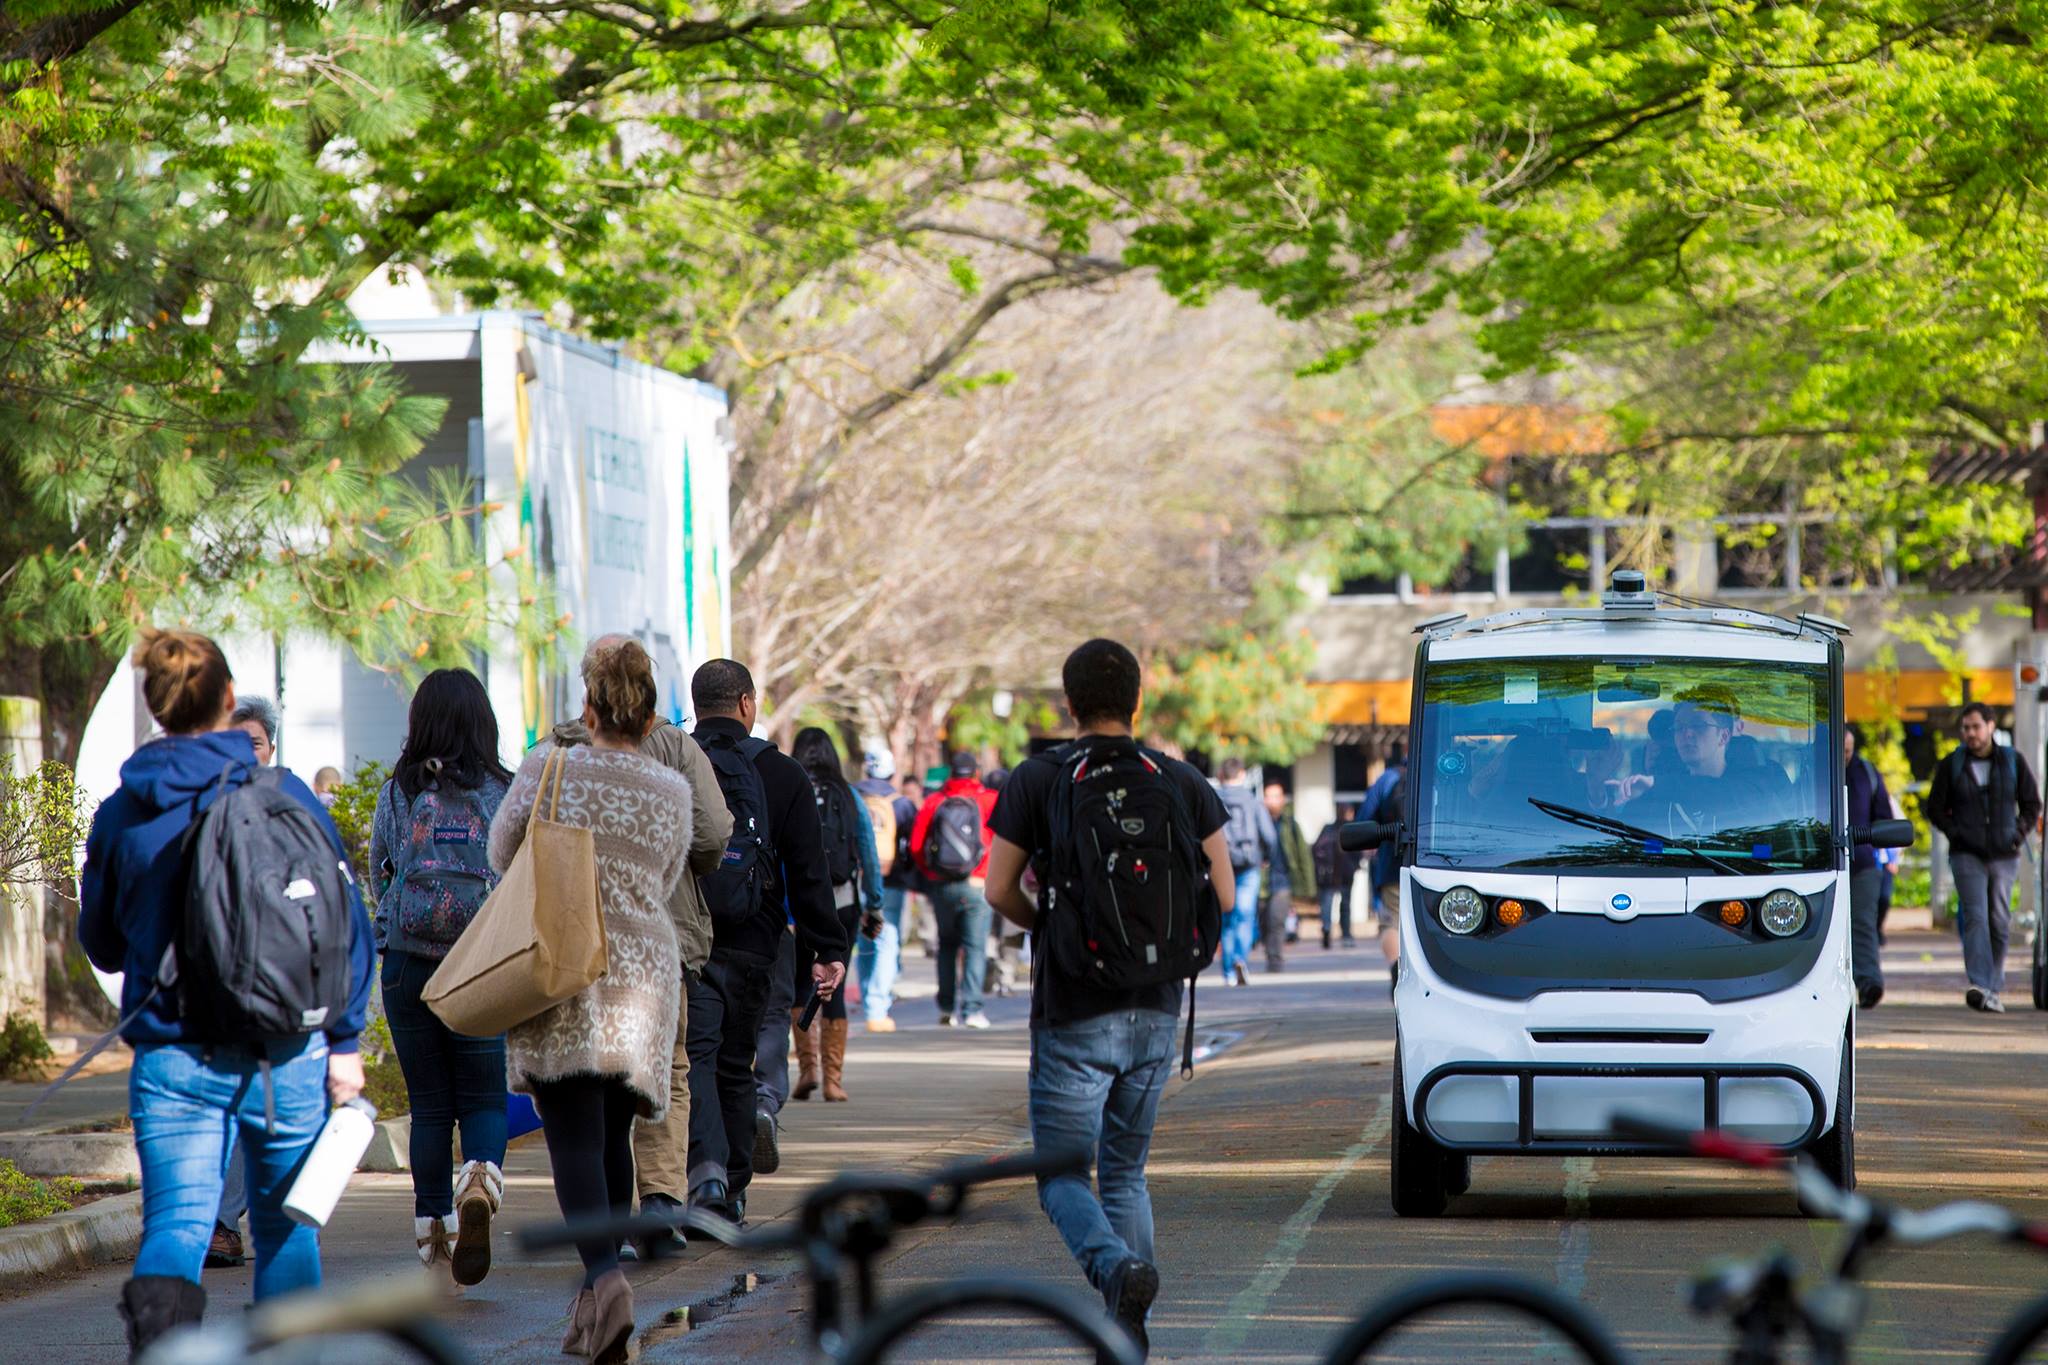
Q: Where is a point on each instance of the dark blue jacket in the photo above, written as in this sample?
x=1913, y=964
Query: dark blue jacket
x=132, y=892
x=1869, y=802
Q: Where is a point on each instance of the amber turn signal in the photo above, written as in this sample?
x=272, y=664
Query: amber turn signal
x=1733, y=913
x=1509, y=913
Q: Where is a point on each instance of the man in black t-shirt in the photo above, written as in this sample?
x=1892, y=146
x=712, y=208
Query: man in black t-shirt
x=1099, y=1058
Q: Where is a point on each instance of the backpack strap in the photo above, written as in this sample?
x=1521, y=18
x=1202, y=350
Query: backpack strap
x=1187, y=1042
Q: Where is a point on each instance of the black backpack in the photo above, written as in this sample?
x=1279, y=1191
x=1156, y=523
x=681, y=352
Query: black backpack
x=1329, y=858
x=1128, y=902
x=736, y=892
x=263, y=951
x=952, y=842
x=835, y=826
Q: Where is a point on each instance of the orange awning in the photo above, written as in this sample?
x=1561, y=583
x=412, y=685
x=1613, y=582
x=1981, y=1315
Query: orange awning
x=1379, y=701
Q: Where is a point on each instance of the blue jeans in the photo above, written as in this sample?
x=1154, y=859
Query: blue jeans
x=1095, y=1086
x=1240, y=929
x=881, y=957
x=963, y=914
x=187, y=1106
x=450, y=1077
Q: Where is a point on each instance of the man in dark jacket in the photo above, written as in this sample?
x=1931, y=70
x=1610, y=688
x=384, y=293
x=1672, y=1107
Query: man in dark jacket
x=727, y=996
x=1868, y=802
x=1984, y=799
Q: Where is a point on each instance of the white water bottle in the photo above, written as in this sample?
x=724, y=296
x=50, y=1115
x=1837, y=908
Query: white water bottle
x=332, y=1161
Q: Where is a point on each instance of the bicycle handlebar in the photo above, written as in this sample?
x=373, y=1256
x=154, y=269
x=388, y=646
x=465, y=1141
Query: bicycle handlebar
x=1908, y=1227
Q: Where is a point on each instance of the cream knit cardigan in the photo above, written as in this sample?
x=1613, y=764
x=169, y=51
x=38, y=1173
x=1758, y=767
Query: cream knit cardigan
x=624, y=1025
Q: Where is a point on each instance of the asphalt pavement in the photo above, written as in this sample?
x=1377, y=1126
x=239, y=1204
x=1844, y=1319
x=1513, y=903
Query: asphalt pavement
x=1269, y=1179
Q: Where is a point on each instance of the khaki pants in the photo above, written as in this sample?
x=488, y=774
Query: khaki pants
x=661, y=1150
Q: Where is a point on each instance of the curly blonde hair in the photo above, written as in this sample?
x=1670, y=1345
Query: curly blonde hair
x=618, y=683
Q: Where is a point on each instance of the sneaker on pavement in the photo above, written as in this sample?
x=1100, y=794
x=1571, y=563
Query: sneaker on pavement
x=1993, y=1005
x=1242, y=979
x=1974, y=997
x=881, y=1024
x=1868, y=996
x=1129, y=1298
x=767, y=1148
x=655, y=1244
x=945, y=1021
x=225, y=1248
x=975, y=1020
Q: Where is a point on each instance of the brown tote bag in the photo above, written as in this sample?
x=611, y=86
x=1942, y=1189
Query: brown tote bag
x=538, y=939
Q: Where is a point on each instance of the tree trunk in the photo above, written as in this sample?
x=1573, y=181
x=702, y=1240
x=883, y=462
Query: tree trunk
x=67, y=679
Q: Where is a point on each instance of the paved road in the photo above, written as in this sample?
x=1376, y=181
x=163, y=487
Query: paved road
x=1269, y=1179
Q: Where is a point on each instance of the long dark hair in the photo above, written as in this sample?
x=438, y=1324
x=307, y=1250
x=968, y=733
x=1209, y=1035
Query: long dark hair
x=451, y=732
x=819, y=756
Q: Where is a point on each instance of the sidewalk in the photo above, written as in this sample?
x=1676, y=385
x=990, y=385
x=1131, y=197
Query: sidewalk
x=919, y=1095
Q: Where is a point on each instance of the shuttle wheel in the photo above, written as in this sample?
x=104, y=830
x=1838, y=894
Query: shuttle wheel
x=1835, y=1150
x=1420, y=1171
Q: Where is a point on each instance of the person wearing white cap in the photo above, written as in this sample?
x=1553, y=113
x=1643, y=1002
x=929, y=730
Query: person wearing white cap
x=880, y=958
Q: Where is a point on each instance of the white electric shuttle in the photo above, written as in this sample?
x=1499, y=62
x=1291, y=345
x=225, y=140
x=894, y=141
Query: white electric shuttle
x=1624, y=886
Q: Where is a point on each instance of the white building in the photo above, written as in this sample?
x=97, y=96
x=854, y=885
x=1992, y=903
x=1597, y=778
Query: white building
x=611, y=473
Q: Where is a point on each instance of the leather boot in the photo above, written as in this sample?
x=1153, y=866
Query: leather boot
x=806, y=1056
x=151, y=1305
x=834, y=1048
x=611, y=1331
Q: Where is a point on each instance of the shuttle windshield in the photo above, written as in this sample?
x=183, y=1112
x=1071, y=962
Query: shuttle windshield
x=1699, y=765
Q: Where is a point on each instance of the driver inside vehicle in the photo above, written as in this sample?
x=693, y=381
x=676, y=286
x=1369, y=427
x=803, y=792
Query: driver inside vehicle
x=1703, y=728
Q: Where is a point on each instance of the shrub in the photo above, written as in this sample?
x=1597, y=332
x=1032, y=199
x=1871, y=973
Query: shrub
x=354, y=808
x=383, y=1080
x=23, y=1049
x=24, y=1197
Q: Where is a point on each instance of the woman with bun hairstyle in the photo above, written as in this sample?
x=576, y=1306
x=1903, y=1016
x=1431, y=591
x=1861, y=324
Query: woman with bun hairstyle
x=600, y=1059
x=430, y=874
x=187, y=1093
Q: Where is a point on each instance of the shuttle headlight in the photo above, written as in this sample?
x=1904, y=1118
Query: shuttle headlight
x=1461, y=910
x=1782, y=914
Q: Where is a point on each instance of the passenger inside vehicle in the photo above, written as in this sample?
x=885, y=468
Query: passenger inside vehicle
x=1716, y=776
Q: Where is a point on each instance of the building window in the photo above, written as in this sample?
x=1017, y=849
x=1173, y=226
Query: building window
x=1552, y=560
x=1369, y=586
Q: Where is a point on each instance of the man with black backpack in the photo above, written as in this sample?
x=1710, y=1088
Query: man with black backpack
x=1254, y=845
x=773, y=871
x=1134, y=873
x=951, y=843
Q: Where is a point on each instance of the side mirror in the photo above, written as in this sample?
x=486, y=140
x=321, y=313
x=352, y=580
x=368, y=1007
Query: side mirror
x=1884, y=834
x=1364, y=834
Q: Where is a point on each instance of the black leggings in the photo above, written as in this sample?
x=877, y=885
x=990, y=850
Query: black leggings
x=588, y=1122
x=801, y=963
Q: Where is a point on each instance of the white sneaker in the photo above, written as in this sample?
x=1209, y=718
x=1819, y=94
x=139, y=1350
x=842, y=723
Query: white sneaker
x=975, y=1020
x=479, y=1189
x=431, y=1239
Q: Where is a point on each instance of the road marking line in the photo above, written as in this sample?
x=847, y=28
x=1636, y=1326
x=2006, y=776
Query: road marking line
x=1574, y=1243
x=1227, y=1337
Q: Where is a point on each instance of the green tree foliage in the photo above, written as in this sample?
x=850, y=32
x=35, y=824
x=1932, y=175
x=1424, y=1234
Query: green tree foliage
x=354, y=809
x=1242, y=696
x=179, y=214
x=43, y=822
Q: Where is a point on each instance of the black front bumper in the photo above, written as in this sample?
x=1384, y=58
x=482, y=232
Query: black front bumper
x=1528, y=1144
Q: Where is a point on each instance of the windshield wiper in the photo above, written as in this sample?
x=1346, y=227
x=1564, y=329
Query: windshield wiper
x=1608, y=825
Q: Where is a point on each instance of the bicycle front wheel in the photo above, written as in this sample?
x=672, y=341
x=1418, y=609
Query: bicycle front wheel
x=1077, y=1318
x=1426, y=1301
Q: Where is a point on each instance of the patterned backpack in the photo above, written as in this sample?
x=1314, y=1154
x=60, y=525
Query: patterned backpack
x=443, y=872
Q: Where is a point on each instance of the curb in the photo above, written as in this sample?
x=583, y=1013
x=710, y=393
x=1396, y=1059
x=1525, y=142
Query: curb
x=105, y=1230
x=88, y=1156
